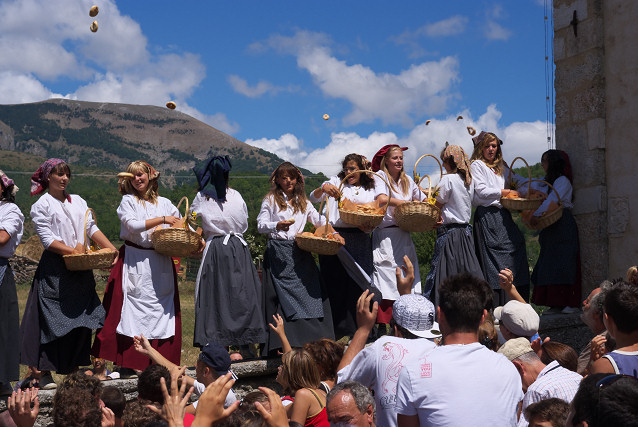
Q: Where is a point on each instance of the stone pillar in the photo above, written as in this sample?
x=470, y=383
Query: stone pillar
x=581, y=127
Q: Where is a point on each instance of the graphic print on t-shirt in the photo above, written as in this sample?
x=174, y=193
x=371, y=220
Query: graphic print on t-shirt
x=395, y=353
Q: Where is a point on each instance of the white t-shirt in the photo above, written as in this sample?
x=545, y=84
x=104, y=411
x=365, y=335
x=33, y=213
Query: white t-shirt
x=456, y=199
x=11, y=221
x=378, y=366
x=198, y=389
x=460, y=385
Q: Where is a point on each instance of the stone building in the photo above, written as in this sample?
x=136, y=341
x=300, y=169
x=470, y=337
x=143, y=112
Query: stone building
x=595, y=53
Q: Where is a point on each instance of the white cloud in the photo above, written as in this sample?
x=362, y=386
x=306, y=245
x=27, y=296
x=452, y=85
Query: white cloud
x=491, y=28
x=524, y=139
x=241, y=86
x=446, y=27
x=423, y=89
x=21, y=88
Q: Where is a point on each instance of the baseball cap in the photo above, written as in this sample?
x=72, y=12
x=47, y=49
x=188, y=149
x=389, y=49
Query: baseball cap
x=519, y=318
x=515, y=348
x=215, y=357
x=415, y=313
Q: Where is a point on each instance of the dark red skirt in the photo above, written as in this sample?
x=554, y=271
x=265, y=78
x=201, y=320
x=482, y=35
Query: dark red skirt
x=118, y=348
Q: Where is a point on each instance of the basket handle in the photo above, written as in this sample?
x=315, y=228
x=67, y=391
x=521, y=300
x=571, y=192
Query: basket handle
x=429, y=192
x=86, y=233
x=560, y=202
x=418, y=180
x=187, y=212
x=368, y=171
x=529, y=174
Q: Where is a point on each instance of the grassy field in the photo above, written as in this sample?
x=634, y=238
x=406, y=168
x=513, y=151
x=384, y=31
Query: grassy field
x=187, y=302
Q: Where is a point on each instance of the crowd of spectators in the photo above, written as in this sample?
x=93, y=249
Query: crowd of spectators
x=463, y=362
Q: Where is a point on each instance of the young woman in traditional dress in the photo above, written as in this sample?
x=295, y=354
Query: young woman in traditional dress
x=499, y=242
x=11, y=227
x=343, y=291
x=62, y=308
x=389, y=242
x=141, y=297
x=557, y=283
x=293, y=288
x=454, y=251
x=228, y=292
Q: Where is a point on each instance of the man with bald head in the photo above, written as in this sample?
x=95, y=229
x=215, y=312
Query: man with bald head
x=350, y=403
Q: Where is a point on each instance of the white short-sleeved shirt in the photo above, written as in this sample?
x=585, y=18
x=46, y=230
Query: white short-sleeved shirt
x=220, y=218
x=270, y=215
x=355, y=194
x=460, y=385
x=456, y=199
x=413, y=194
x=61, y=221
x=378, y=366
x=11, y=221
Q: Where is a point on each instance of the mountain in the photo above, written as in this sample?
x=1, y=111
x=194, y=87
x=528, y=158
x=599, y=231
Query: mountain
x=110, y=136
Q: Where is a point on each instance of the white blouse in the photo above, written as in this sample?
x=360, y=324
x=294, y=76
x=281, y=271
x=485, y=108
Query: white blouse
x=564, y=189
x=11, y=221
x=414, y=194
x=270, y=215
x=456, y=199
x=221, y=218
x=488, y=185
x=133, y=214
x=354, y=193
x=61, y=221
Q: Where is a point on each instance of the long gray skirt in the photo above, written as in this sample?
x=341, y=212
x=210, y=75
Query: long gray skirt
x=499, y=245
x=454, y=253
x=559, y=241
x=294, y=292
x=62, y=309
x=9, y=319
x=229, y=303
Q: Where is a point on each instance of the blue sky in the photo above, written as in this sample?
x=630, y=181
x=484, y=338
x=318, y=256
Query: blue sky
x=266, y=71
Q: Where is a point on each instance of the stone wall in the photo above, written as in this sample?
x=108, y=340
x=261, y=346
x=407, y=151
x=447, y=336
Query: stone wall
x=596, y=83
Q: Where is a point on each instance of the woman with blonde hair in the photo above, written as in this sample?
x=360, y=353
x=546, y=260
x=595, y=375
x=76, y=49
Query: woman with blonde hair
x=389, y=242
x=141, y=297
x=298, y=375
x=499, y=242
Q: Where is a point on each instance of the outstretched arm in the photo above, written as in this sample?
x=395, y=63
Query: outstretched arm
x=506, y=282
x=366, y=318
x=278, y=327
x=142, y=345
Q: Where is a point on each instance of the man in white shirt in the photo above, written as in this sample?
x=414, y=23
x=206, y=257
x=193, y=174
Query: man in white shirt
x=461, y=382
x=378, y=365
x=539, y=381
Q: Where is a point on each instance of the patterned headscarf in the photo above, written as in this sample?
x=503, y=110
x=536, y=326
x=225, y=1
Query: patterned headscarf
x=210, y=177
x=460, y=160
x=40, y=179
x=8, y=183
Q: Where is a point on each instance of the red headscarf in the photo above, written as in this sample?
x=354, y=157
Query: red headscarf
x=376, y=160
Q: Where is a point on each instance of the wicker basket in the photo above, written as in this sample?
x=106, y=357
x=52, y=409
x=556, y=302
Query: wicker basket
x=88, y=260
x=177, y=241
x=418, y=179
x=521, y=204
x=549, y=218
x=360, y=219
x=317, y=244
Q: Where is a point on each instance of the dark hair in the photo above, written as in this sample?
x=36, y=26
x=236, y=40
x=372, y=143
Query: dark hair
x=612, y=403
x=298, y=200
x=136, y=414
x=404, y=332
x=450, y=161
x=149, y=386
x=553, y=410
x=555, y=165
x=462, y=299
x=114, y=399
x=6, y=194
x=327, y=354
x=562, y=353
x=365, y=180
x=621, y=304
x=79, y=380
x=76, y=407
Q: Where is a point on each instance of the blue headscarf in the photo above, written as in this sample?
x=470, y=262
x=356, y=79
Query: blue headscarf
x=210, y=177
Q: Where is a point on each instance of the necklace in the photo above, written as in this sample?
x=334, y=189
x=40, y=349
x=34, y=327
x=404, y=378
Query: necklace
x=356, y=189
